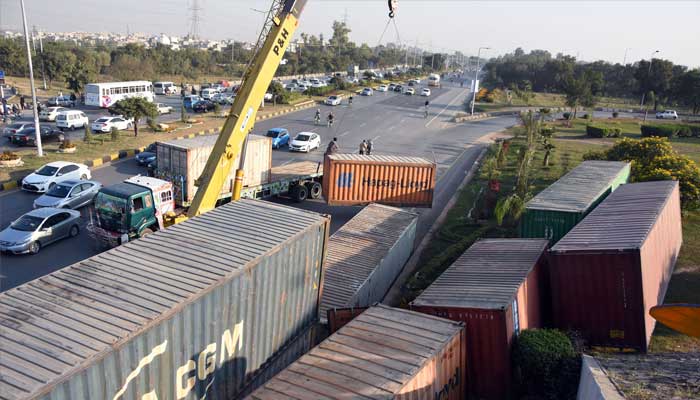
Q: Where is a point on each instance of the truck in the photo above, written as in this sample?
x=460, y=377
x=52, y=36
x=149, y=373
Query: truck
x=434, y=80
x=353, y=70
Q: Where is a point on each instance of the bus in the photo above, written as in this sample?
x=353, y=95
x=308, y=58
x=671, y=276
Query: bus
x=434, y=80
x=106, y=94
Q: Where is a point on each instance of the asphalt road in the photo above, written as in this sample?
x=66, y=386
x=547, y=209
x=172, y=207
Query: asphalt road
x=393, y=121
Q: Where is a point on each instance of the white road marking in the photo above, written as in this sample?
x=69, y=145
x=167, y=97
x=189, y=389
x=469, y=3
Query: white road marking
x=443, y=110
x=288, y=162
x=363, y=124
x=376, y=138
x=344, y=133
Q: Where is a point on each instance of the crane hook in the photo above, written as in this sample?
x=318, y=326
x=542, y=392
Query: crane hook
x=392, y=7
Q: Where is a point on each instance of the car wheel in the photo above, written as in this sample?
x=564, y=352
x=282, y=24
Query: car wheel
x=34, y=247
x=83, y=177
x=74, y=231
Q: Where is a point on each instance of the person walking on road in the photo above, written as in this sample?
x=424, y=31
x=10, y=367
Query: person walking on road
x=22, y=105
x=330, y=119
x=363, y=148
x=332, y=147
x=369, y=147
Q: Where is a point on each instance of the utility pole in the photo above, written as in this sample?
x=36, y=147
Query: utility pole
x=624, y=60
x=41, y=50
x=476, y=76
x=651, y=60
x=37, y=131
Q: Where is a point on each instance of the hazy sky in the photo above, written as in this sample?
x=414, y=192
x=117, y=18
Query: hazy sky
x=592, y=29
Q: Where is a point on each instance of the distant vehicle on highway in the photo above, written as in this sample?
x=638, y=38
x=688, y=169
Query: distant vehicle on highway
x=165, y=88
x=425, y=92
x=105, y=124
x=50, y=174
x=204, y=106
x=410, y=91
x=279, y=136
x=71, y=119
x=148, y=156
x=163, y=109
x=305, y=142
x=382, y=88
x=50, y=113
x=71, y=194
x=667, y=114
x=398, y=88
x=367, y=92
x=333, y=100
x=106, y=94
x=39, y=228
x=28, y=136
x=434, y=80
x=63, y=101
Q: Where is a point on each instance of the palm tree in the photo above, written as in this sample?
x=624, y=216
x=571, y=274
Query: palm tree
x=512, y=206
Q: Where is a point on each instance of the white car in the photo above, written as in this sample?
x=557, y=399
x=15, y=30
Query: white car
x=410, y=91
x=382, y=88
x=52, y=173
x=667, y=114
x=71, y=119
x=50, y=113
x=424, y=92
x=305, y=142
x=367, y=92
x=317, y=83
x=105, y=124
x=333, y=100
x=163, y=109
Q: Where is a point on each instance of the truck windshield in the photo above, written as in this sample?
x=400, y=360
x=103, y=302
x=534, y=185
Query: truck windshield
x=110, y=204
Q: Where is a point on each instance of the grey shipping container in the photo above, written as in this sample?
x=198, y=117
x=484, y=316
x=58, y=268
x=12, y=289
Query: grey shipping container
x=384, y=353
x=194, y=310
x=496, y=289
x=182, y=162
x=558, y=208
x=614, y=266
x=365, y=256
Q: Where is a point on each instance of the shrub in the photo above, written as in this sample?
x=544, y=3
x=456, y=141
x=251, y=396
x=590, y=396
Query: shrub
x=152, y=124
x=546, y=364
x=547, y=130
x=217, y=108
x=545, y=110
x=88, y=134
x=8, y=156
x=566, y=115
x=66, y=144
x=615, y=114
x=320, y=91
x=114, y=133
x=586, y=116
x=665, y=130
x=183, y=114
x=603, y=131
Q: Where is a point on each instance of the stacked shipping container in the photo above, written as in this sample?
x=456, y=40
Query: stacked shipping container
x=615, y=265
x=188, y=312
x=365, y=256
x=385, y=353
x=495, y=289
x=558, y=208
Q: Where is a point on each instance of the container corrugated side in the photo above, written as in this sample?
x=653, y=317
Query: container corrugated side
x=365, y=256
x=351, y=179
x=383, y=353
x=189, y=311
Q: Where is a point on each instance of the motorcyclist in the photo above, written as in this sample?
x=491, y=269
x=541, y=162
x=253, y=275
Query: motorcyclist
x=330, y=119
x=317, y=117
x=350, y=100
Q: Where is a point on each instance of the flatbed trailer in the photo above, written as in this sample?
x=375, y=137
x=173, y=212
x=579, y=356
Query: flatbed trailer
x=299, y=180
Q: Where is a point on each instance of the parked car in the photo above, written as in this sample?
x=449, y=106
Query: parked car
x=148, y=156
x=38, y=228
x=223, y=98
x=52, y=173
x=667, y=114
x=208, y=93
x=105, y=124
x=204, y=106
x=382, y=88
x=398, y=88
x=190, y=101
x=163, y=109
x=63, y=101
x=71, y=194
x=391, y=87
x=72, y=119
x=50, y=113
x=28, y=136
x=367, y=92
x=333, y=100
x=425, y=92
x=305, y=142
x=410, y=91
x=279, y=136
x=411, y=83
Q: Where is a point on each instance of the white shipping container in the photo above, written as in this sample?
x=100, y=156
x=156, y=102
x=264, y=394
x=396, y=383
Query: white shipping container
x=182, y=162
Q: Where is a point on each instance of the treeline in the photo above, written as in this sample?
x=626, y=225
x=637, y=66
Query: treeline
x=667, y=83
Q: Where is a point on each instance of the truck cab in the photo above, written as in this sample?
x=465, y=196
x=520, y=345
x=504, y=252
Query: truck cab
x=131, y=209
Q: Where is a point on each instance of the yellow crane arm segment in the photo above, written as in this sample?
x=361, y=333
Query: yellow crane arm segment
x=241, y=118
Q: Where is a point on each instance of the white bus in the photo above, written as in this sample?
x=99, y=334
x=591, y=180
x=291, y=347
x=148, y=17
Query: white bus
x=106, y=94
x=164, y=88
x=434, y=80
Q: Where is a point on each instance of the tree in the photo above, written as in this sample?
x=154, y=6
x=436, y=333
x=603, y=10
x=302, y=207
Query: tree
x=79, y=76
x=578, y=92
x=128, y=67
x=686, y=89
x=136, y=108
x=656, y=77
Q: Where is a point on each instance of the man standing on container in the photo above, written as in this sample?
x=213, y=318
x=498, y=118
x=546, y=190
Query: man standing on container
x=332, y=147
x=363, y=147
x=369, y=147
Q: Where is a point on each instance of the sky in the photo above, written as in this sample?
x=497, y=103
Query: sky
x=591, y=30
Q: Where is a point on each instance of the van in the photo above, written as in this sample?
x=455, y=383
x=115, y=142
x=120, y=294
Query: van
x=71, y=119
x=190, y=101
x=209, y=93
x=164, y=88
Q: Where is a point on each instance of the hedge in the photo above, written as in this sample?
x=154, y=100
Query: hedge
x=603, y=131
x=320, y=91
x=670, y=130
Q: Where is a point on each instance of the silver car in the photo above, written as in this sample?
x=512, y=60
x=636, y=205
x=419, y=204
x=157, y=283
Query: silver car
x=71, y=194
x=38, y=228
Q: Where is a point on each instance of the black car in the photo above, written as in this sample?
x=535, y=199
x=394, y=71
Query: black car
x=148, y=156
x=28, y=138
x=203, y=106
x=398, y=88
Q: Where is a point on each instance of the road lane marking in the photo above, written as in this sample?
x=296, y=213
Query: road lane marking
x=287, y=162
x=363, y=124
x=443, y=110
x=376, y=138
x=344, y=133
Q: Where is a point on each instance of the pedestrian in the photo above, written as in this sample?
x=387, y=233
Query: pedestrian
x=194, y=91
x=369, y=147
x=21, y=102
x=363, y=147
x=332, y=147
x=39, y=107
x=73, y=98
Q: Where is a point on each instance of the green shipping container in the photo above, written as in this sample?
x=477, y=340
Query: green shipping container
x=556, y=210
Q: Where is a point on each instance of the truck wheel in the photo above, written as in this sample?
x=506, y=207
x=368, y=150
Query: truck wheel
x=299, y=193
x=146, y=232
x=315, y=189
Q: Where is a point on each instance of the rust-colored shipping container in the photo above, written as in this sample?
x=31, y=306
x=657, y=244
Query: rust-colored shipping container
x=384, y=353
x=352, y=179
x=495, y=288
x=614, y=266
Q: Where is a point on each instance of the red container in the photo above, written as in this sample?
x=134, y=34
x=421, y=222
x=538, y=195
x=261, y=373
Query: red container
x=352, y=179
x=614, y=266
x=495, y=288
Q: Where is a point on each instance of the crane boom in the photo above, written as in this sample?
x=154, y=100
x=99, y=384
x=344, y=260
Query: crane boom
x=241, y=119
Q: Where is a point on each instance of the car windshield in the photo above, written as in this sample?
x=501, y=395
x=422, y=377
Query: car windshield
x=272, y=134
x=27, y=223
x=59, y=191
x=102, y=120
x=302, y=138
x=16, y=126
x=47, y=170
x=332, y=97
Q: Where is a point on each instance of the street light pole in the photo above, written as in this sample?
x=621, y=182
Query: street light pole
x=37, y=131
x=651, y=60
x=624, y=60
x=476, y=76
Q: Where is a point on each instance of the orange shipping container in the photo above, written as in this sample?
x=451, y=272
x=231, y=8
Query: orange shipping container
x=352, y=179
